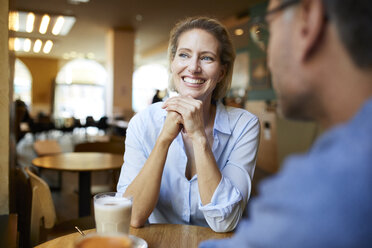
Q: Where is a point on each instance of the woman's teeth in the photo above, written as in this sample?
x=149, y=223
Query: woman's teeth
x=193, y=81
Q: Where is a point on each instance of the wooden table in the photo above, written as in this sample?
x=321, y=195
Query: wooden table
x=156, y=236
x=84, y=163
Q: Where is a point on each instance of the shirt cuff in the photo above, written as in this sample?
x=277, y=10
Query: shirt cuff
x=224, y=199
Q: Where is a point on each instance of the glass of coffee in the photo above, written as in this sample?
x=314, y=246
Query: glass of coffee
x=112, y=212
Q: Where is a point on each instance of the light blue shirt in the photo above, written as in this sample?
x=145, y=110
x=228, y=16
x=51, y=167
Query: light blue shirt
x=319, y=199
x=236, y=136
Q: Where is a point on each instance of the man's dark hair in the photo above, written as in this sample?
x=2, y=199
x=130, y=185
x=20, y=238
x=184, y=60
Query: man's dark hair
x=353, y=20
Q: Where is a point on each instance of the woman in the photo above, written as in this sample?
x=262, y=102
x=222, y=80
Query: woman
x=191, y=160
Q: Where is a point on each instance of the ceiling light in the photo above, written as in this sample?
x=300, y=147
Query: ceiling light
x=67, y=24
x=73, y=54
x=27, y=45
x=58, y=25
x=11, y=44
x=239, y=31
x=30, y=22
x=66, y=56
x=37, y=46
x=76, y=2
x=17, y=44
x=44, y=24
x=90, y=56
x=22, y=21
x=13, y=21
x=48, y=46
x=139, y=17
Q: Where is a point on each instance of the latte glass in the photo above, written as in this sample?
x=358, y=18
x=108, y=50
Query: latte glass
x=112, y=212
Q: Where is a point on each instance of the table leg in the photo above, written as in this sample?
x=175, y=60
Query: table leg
x=85, y=195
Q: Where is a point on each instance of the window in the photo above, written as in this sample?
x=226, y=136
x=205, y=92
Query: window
x=146, y=80
x=22, y=82
x=80, y=90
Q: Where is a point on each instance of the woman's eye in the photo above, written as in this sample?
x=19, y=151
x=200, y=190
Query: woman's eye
x=207, y=58
x=182, y=55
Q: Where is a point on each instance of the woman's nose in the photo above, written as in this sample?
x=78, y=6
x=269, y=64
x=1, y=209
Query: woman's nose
x=194, y=66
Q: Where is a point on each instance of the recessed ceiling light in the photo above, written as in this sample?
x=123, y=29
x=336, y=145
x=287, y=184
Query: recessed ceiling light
x=91, y=56
x=37, y=46
x=139, y=17
x=239, y=31
x=48, y=46
x=27, y=45
x=17, y=44
x=58, y=25
x=14, y=21
x=30, y=22
x=44, y=24
x=66, y=56
x=76, y=2
x=73, y=54
x=22, y=21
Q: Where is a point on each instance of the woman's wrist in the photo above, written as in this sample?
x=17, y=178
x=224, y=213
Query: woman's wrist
x=199, y=139
x=164, y=140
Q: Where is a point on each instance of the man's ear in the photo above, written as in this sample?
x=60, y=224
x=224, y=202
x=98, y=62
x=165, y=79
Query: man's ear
x=312, y=25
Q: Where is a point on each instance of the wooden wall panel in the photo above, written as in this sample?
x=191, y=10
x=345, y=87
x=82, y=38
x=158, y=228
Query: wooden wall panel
x=4, y=108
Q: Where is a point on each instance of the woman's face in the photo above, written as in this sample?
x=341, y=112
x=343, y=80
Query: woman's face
x=196, y=68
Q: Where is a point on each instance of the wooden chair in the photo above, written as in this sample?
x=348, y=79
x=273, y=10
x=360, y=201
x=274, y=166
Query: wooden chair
x=112, y=146
x=23, y=205
x=49, y=147
x=43, y=224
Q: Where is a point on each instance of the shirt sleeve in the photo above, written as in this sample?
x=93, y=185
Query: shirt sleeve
x=231, y=195
x=135, y=154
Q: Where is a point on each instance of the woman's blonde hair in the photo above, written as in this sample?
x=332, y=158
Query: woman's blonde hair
x=226, y=49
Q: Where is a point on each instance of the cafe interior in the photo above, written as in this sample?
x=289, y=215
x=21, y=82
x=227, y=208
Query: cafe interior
x=73, y=74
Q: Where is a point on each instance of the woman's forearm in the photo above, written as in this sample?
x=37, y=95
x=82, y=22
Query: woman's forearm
x=145, y=187
x=209, y=176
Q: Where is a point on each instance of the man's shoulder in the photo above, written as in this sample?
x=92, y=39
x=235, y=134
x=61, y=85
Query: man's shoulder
x=335, y=171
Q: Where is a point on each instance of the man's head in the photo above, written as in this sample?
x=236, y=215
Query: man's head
x=303, y=35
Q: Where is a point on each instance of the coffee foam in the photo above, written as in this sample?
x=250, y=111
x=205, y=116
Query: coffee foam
x=112, y=202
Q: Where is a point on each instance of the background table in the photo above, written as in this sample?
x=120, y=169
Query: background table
x=84, y=163
x=156, y=236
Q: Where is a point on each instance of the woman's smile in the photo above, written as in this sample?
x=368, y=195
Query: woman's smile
x=191, y=80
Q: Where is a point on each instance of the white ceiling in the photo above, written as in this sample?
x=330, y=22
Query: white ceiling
x=95, y=18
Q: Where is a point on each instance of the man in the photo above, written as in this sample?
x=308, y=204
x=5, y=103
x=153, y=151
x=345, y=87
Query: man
x=320, y=56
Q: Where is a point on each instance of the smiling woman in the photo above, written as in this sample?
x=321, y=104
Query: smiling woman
x=190, y=159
